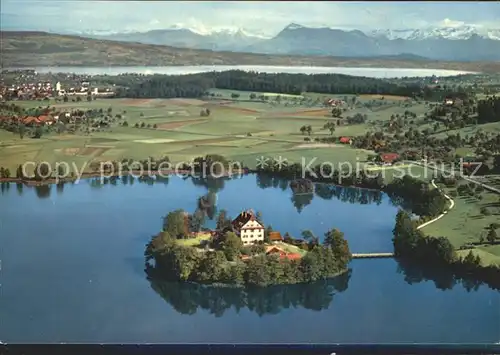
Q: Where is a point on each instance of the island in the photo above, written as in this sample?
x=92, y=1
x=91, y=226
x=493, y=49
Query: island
x=241, y=251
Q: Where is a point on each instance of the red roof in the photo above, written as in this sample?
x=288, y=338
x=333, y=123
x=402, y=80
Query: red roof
x=389, y=157
x=292, y=256
x=44, y=118
x=242, y=219
x=276, y=250
x=30, y=119
x=345, y=139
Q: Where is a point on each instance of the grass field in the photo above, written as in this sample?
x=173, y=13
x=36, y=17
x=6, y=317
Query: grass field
x=465, y=224
x=239, y=130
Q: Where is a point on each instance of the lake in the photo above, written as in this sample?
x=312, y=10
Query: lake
x=181, y=70
x=72, y=270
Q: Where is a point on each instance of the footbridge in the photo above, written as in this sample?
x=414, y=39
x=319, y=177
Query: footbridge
x=372, y=255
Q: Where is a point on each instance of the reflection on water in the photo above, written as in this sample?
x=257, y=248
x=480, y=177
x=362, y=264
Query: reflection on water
x=444, y=278
x=215, y=185
x=73, y=271
x=188, y=298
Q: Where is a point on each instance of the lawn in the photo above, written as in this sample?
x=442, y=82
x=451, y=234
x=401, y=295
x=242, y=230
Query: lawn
x=465, y=223
x=193, y=241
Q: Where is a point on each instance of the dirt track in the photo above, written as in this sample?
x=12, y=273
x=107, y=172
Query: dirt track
x=179, y=124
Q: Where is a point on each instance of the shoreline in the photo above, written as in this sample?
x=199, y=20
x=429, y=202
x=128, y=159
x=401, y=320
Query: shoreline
x=245, y=286
x=90, y=175
x=85, y=176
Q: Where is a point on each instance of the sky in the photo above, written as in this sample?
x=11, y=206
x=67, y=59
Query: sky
x=258, y=17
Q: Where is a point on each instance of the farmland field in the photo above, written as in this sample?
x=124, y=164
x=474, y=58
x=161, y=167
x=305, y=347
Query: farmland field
x=248, y=131
x=155, y=127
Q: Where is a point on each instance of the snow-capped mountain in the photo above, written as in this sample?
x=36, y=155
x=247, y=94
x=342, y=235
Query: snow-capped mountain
x=452, y=33
x=460, y=43
x=179, y=35
x=450, y=41
x=217, y=31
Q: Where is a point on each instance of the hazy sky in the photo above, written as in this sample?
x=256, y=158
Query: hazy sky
x=261, y=17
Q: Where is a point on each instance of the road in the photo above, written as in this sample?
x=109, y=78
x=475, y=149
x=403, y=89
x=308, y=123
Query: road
x=466, y=178
x=452, y=204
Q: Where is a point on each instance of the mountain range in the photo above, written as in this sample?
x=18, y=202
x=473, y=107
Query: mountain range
x=42, y=49
x=457, y=43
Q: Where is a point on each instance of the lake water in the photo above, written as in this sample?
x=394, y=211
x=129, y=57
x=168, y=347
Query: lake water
x=181, y=70
x=72, y=270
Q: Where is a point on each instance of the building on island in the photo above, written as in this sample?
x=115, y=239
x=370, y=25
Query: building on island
x=248, y=228
x=275, y=237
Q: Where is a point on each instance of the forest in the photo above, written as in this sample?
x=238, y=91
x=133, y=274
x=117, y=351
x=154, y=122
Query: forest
x=196, y=85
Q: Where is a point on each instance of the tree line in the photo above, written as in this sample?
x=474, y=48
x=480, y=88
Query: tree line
x=196, y=85
x=488, y=110
x=426, y=253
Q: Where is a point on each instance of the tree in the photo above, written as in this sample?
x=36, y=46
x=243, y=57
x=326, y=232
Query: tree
x=336, y=241
x=222, y=220
x=196, y=221
x=330, y=126
x=235, y=95
x=267, y=233
x=253, y=96
x=22, y=130
x=42, y=171
x=38, y=132
x=303, y=129
x=492, y=236
x=257, y=272
x=4, y=173
x=336, y=112
x=231, y=246
x=309, y=129
x=89, y=98
x=175, y=223
x=19, y=172
x=309, y=236
x=185, y=262
x=211, y=267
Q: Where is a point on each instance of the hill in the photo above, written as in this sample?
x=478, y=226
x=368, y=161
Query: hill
x=38, y=49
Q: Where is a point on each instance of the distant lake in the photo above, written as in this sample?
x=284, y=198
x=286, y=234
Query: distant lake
x=72, y=270
x=181, y=70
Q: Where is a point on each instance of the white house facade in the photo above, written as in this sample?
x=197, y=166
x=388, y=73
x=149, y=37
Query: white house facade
x=252, y=232
x=248, y=228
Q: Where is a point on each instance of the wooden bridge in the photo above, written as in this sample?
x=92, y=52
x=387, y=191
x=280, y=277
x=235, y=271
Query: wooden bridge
x=372, y=255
